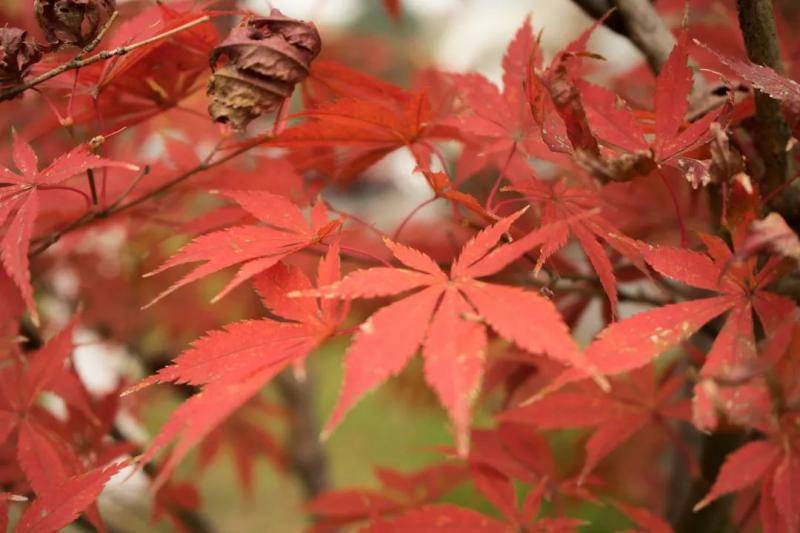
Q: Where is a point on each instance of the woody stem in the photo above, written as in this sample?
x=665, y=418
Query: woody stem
x=77, y=62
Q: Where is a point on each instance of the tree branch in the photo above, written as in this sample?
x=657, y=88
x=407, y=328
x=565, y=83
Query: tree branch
x=78, y=61
x=120, y=205
x=639, y=22
x=597, y=8
x=304, y=447
x=757, y=22
x=647, y=31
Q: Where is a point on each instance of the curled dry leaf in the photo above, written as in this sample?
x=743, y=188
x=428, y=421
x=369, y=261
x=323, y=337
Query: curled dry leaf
x=616, y=167
x=74, y=22
x=266, y=58
x=17, y=55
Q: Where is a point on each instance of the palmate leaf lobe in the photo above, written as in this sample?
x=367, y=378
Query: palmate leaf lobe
x=447, y=304
x=232, y=364
x=21, y=194
x=283, y=230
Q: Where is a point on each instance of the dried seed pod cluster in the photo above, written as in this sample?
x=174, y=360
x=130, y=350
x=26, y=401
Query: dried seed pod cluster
x=265, y=58
x=75, y=22
x=17, y=55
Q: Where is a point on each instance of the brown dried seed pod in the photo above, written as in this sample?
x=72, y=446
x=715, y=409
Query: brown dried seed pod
x=17, y=55
x=265, y=58
x=74, y=22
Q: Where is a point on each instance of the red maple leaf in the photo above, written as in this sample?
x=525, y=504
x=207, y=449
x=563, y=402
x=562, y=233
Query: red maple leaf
x=45, y=455
x=65, y=502
x=172, y=501
x=498, y=126
x=764, y=79
x=775, y=465
x=248, y=439
x=446, y=317
x=616, y=126
x=366, y=119
x=440, y=518
x=558, y=202
x=772, y=462
x=512, y=453
x=398, y=492
x=20, y=193
x=151, y=79
x=634, y=404
x=256, y=248
x=231, y=365
x=635, y=341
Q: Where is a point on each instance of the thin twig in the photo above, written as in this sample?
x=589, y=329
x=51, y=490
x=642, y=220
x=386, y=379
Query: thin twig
x=119, y=205
x=99, y=37
x=129, y=189
x=92, y=185
x=77, y=62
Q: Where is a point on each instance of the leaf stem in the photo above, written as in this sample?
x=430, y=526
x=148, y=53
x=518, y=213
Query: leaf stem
x=496, y=186
x=66, y=188
x=411, y=215
x=92, y=186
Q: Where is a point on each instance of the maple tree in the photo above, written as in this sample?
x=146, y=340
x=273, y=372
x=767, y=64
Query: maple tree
x=602, y=290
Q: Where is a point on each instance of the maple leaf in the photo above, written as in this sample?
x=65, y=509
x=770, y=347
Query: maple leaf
x=635, y=341
x=247, y=438
x=151, y=79
x=778, y=472
x=515, y=452
x=46, y=456
x=614, y=124
x=255, y=247
x=632, y=406
x=231, y=365
x=554, y=93
x=66, y=501
x=732, y=355
x=172, y=501
x=446, y=317
x=20, y=193
x=498, y=125
x=742, y=468
x=558, y=202
x=651, y=523
x=399, y=492
x=440, y=518
x=21, y=384
x=367, y=121
x=771, y=461
x=762, y=78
